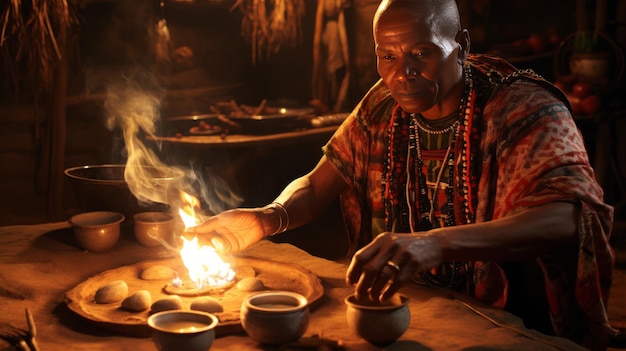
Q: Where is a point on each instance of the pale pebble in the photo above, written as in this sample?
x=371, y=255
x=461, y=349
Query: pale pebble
x=250, y=284
x=158, y=272
x=166, y=304
x=138, y=301
x=113, y=292
x=207, y=304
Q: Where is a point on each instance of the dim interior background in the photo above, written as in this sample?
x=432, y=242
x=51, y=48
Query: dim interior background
x=209, y=59
x=203, y=56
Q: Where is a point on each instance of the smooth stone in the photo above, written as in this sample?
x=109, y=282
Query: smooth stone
x=158, y=272
x=167, y=304
x=113, y=292
x=207, y=304
x=138, y=301
x=250, y=284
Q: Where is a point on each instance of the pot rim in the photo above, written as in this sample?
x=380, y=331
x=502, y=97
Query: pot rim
x=187, y=316
x=295, y=301
x=96, y=219
x=70, y=173
x=351, y=301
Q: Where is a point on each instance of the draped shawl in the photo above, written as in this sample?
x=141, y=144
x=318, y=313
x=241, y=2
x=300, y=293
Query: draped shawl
x=525, y=150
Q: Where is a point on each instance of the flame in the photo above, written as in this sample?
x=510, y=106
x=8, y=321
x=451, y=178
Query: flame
x=188, y=210
x=206, y=268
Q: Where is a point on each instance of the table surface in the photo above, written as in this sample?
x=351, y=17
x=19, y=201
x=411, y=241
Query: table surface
x=40, y=263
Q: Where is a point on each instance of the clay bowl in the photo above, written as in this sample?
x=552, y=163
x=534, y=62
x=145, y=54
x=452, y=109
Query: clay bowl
x=103, y=188
x=275, y=317
x=380, y=324
x=97, y=231
x=183, y=330
x=153, y=228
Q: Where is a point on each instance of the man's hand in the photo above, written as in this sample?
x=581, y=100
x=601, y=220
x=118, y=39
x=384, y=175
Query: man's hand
x=379, y=269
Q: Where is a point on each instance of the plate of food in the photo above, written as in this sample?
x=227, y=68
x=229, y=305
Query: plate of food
x=203, y=124
x=264, y=117
x=205, y=128
x=280, y=113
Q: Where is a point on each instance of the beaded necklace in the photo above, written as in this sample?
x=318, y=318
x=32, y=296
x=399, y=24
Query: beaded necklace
x=400, y=169
x=428, y=201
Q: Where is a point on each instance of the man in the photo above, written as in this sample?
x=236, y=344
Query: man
x=457, y=171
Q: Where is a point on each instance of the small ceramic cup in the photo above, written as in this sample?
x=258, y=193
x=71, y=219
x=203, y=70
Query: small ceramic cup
x=97, y=231
x=275, y=317
x=153, y=228
x=183, y=330
x=380, y=324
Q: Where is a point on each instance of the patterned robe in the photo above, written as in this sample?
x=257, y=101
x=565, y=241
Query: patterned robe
x=525, y=150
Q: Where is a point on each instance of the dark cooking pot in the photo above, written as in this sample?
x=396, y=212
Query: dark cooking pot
x=103, y=188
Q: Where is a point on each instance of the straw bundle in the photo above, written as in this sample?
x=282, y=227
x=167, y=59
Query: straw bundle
x=29, y=42
x=269, y=24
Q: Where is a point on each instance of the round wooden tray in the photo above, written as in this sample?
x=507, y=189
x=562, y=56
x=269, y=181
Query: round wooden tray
x=274, y=275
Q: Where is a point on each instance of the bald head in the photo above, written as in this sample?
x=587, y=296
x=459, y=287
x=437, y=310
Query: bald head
x=421, y=49
x=442, y=16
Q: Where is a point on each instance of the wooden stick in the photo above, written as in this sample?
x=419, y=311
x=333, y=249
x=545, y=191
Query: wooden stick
x=259, y=110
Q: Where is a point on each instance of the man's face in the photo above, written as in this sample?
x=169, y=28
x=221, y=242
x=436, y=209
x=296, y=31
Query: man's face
x=417, y=62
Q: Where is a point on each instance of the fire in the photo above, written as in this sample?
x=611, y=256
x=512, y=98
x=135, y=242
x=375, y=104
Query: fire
x=206, y=268
x=188, y=210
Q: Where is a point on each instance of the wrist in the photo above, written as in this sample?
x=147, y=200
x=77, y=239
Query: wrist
x=276, y=219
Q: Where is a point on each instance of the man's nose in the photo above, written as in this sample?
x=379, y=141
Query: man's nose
x=408, y=69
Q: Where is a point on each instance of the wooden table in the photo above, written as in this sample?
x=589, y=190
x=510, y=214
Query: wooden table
x=40, y=263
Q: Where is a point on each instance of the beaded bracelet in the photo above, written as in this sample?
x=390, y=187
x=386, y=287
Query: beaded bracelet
x=284, y=218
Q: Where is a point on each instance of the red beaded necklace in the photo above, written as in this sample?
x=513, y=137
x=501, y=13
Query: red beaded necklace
x=404, y=182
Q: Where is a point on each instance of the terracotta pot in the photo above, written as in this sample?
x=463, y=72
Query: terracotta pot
x=153, y=228
x=275, y=317
x=183, y=330
x=97, y=231
x=379, y=324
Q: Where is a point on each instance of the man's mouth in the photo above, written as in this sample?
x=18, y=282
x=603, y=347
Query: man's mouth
x=411, y=95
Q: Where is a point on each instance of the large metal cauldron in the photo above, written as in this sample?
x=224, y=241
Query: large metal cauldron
x=103, y=188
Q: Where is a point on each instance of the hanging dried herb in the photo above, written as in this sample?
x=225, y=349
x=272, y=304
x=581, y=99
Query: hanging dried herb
x=29, y=49
x=267, y=25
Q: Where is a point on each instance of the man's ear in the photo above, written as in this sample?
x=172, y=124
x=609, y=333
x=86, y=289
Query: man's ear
x=463, y=39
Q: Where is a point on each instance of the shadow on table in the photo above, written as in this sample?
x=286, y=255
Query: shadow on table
x=71, y=320
x=407, y=345
x=63, y=235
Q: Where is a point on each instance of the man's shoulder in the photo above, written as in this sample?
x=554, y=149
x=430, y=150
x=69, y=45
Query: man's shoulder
x=490, y=65
x=377, y=93
x=377, y=104
x=504, y=79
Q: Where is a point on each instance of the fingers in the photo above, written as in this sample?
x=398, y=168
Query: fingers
x=357, y=264
x=213, y=234
x=387, y=277
x=380, y=268
x=367, y=275
x=392, y=288
x=204, y=227
x=378, y=282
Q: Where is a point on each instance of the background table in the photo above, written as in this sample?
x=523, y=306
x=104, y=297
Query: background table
x=40, y=263
x=253, y=167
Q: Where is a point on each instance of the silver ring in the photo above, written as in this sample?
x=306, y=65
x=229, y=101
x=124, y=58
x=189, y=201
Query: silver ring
x=393, y=265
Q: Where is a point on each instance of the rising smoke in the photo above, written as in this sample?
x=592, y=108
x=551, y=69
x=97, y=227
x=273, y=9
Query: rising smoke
x=135, y=109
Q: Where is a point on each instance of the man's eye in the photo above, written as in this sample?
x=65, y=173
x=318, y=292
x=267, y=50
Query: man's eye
x=421, y=53
x=388, y=57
